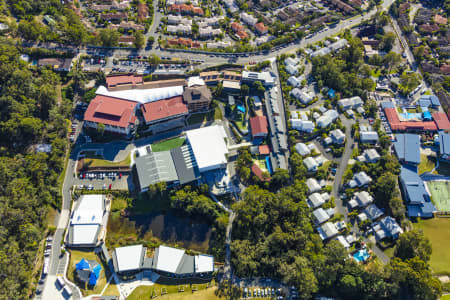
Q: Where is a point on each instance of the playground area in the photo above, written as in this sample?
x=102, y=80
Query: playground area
x=440, y=194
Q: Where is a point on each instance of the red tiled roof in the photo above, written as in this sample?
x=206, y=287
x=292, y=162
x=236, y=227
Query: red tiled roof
x=258, y=125
x=260, y=27
x=242, y=34
x=163, y=109
x=258, y=172
x=445, y=69
x=264, y=150
x=396, y=124
x=111, y=111
x=112, y=81
x=440, y=19
x=236, y=26
x=441, y=120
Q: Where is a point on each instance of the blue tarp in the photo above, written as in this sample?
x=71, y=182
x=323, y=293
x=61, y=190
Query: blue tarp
x=82, y=265
x=331, y=93
x=268, y=165
x=427, y=115
x=95, y=275
x=241, y=109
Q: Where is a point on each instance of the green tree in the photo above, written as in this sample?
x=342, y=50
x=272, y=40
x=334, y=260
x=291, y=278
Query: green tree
x=139, y=39
x=245, y=90
x=387, y=41
x=109, y=37
x=413, y=244
x=385, y=188
x=280, y=178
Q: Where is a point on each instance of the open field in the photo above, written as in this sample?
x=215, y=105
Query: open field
x=111, y=290
x=440, y=193
x=75, y=257
x=144, y=292
x=426, y=164
x=168, y=144
x=438, y=231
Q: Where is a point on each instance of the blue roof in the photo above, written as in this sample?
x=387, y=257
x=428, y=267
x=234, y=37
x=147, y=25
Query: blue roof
x=82, y=265
x=407, y=147
x=419, y=203
x=435, y=101
x=444, y=143
x=95, y=274
x=241, y=108
x=387, y=104
x=331, y=93
x=268, y=165
x=427, y=115
x=425, y=97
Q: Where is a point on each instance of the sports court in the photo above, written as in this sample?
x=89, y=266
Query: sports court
x=440, y=192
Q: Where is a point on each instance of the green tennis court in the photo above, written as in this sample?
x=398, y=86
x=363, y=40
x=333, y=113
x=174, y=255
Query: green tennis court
x=440, y=193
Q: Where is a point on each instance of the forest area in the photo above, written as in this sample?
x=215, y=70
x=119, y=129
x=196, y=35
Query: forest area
x=29, y=180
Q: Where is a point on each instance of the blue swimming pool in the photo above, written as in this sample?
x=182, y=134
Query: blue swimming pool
x=361, y=255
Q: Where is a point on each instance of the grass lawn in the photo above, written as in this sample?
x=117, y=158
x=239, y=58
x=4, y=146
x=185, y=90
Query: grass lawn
x=426, y=164
x=144, y=292
x=438, y=231
x=389, y=252
x=75, y=257
x=98, y=162
x=375, y=73
x=445, y=297
x=168, y=144
x=111, y=290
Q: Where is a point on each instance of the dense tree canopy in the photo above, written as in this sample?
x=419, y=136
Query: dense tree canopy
x=29, y=114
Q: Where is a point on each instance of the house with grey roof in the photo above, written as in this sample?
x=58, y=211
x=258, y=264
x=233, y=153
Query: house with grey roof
x=370, y=137
x=407, y=148
x=360, y=179
x=363, y=198
x=320, y=216
x=302, y=149
x=371, y=155
x=327, y=231
x=337, y=136
x=315, y=200
x=310, y=164
x=313, y=185
x=387, y=228
x=373, y=212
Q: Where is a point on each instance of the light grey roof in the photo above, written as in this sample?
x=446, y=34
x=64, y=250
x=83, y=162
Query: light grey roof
x=321, y=215
x=302, y=149
x=444, y=143
x=129, y=258
x=313, y=185
x=373, y=212
x=155, y=167
x=315, y=200
x=368, y=136
x=363, y=198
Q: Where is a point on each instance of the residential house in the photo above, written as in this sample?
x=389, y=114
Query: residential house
x=233, y=76
x=248, y=19
x=242, y=35
x=302, y=149
x=209, y=32
x=58, y=64
x=180, y=28
x=370, y=137
x=327, y=118
x=266, y=78
x=261, y=28
x=302, y=125
x=360, y=179
x=310, y=164
x=231, y=5
x=295, y=81
x=373, y=212
x=236, y=27
x=387, y=228
x=337, y=136
x=126, y=39
x=313, y=185
x=315, y=200
x=302, y=95
x=350, y=103
x=327, y=231
x=371, y=155
x=320, y=216
x=231, y=87
x=211, y=77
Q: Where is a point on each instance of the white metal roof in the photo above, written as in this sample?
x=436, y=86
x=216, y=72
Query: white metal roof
x=143, y=95
x=169, y=258
x=209, y=147
x=195, y=80
x=89, y=210
x=129, y=258
x=85, y=234
x=204, y=263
